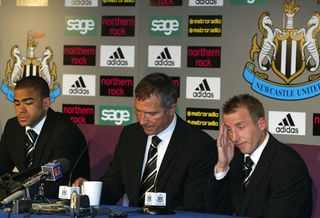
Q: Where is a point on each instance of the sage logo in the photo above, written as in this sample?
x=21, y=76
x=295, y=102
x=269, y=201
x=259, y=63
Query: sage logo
x=81, y=85
x=114, y=115
x=205, y=2
x=203, y=88
x=81, y=3
x=165, y=26
x=80, y=25
x=287, y=123
x=117, y=56
x=247, y=2
x=164, y=56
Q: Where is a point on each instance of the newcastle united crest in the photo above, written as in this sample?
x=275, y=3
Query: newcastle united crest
x=285, y=61
x=30, y=65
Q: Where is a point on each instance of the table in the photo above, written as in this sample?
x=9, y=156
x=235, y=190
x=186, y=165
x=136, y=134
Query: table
x=131, y=212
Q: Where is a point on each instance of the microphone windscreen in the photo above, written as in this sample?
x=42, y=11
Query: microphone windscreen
x=64, y=164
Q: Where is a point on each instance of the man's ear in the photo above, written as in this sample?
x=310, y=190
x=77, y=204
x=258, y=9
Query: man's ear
x=262, y=123
x=46, y=103
x=173, y=109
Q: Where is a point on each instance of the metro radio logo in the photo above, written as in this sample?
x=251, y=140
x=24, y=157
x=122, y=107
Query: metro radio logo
x=205, y=25
x=204, y=118
x=204, y=57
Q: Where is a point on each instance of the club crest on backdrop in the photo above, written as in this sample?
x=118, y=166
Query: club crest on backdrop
x=20, y=67
x=285, y=62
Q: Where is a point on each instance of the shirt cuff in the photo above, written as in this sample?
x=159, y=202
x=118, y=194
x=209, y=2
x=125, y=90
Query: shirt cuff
x=220, y=175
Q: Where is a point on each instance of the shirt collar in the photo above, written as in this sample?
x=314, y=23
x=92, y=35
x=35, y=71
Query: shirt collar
x=37, y=128
x=165, y=135
x=255, y=156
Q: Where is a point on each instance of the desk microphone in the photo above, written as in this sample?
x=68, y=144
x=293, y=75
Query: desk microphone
x=50, y=172
x=76, y=164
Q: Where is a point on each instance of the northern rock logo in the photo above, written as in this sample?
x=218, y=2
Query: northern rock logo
x=285, y=61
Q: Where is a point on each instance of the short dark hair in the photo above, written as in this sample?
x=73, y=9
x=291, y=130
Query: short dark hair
x=35, y=82
x=253, y=105
x=158, y=84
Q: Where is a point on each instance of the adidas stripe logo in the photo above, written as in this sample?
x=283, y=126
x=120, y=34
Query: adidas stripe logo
x=79, y=83
x=165, y=54
x=204, y=86
x=287, y=121
x=287, y=126
x=118, y=54
x=203, y=90
x=164, y=59
x=79, y=87
x=117, y=58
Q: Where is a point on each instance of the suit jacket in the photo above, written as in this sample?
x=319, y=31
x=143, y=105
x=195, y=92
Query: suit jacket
x=183, y=173
x=59, y=138
x=280, y=186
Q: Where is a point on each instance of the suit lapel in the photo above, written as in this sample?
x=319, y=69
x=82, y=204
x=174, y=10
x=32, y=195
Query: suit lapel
x=44, y=136
x=174, y=147
x=259, y=172
x=136, y=156
x=20, y=148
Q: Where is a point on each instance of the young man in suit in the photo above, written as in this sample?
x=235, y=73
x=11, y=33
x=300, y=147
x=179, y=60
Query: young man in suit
x=185, y=154
x=277, y=184
x=56, y=136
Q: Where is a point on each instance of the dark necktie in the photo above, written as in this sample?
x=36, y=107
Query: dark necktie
x=247, y=167
x=150, y=171
x=31, y=137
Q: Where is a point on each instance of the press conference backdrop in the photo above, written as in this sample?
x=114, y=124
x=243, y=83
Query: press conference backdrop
x=93, y=53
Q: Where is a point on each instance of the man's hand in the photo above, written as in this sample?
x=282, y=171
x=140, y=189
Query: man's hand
x=79, y=182
x=225, y=150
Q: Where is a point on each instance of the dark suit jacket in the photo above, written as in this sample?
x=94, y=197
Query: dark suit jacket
x=59, y=138
x=280, y=186
x=189, y=159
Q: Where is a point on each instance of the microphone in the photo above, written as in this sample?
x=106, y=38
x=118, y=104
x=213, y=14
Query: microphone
x=76, y=164
x=66, y=191
x=50, y=172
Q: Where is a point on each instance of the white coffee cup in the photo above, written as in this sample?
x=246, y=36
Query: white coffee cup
x=93, y=190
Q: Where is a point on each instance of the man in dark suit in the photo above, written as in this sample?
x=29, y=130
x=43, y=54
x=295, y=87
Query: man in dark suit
x=185, y=156
x=277, y=183
x=58, y=137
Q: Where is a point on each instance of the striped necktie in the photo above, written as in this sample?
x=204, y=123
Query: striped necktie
x=247, y=167
x=150, y=171
x=31, y=137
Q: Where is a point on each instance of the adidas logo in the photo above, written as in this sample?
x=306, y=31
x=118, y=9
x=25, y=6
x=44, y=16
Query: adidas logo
x=79, y=87
x=287, y=125
x=164, y=59
x=203, y=90
x=117, y=58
